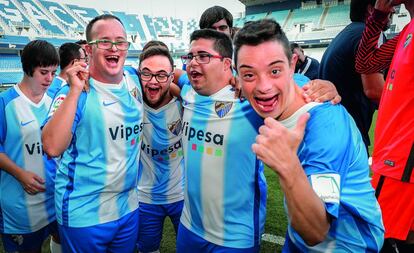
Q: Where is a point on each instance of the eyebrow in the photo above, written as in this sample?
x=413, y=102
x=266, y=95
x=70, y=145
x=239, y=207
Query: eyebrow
x=159, y=71
x=270, y=64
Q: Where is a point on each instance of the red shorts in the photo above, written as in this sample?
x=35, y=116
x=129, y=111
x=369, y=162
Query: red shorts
x=397, y=206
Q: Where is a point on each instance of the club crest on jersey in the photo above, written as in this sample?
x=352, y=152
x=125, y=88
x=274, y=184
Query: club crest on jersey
x=408, y=40
x=135, y=93
x=56, y=104
x=175, y=127
x=222, y=108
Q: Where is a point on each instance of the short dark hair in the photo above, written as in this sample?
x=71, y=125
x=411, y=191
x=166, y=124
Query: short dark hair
x=153, y=43
x=38, y=53
x=213, y=15
x=222, y=42
x=81, y=42
x=358, y=9
x=97, y=18
x=68, y=52
x=258, y=32
x=295, y=45
x=156, y=50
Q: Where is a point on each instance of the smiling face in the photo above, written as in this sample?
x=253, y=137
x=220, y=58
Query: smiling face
x=106, y=65
x=207, y=78
x=156, y=94
x=265, y=74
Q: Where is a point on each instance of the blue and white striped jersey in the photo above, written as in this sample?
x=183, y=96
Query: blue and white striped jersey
x=162, y=161
x=56, y=85
x=96, y=181
x=335, y=161
x=20, y=140
x=225, y=188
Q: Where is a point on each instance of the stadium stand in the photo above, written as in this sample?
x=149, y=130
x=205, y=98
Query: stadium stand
x=337, y=16
x=24, y=20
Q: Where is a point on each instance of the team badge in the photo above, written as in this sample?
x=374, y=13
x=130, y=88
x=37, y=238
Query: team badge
x=408, y=40
x=56, y=104
x=135, y=93
x=175, y=127
x=222, y=108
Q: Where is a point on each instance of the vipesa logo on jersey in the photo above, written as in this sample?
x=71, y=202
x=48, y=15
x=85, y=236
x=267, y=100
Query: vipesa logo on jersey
x=172, y=151
x=126, y=132
x=208, y=138
x=34, y=148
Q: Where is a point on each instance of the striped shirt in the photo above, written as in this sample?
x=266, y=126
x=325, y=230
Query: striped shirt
x=20, y=140
x=97, y=179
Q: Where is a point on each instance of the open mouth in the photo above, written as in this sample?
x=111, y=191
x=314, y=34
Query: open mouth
x=195, y=75
x=153, y=91
x=112, y=59
x=267, y=104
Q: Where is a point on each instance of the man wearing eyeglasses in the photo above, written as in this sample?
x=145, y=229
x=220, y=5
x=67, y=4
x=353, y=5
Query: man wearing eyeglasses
x=69, y=53
x=161, y=183
x=96, y=123
x=224, y=196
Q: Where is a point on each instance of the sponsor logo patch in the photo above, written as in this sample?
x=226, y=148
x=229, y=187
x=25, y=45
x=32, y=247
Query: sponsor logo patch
x=56, y=103
x=408, y=40
x=327, y=187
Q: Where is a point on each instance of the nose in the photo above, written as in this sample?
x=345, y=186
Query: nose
x=264, y=84
x=113, y=48
x=50, y=77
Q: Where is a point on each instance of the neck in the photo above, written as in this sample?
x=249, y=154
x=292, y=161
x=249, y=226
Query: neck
x=34, y=95
x=295, y=103
x=101, y=77
x=63, y=75
x=220, y=84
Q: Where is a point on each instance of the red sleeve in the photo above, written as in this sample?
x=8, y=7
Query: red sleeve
x=371, y=58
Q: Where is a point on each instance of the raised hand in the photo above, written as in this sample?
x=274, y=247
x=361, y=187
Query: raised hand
x=78, y=76
x=277, y=146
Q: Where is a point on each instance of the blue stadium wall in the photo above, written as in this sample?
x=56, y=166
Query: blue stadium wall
x=277, y=6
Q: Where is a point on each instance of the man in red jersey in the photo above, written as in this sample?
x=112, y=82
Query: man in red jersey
x=393, y=157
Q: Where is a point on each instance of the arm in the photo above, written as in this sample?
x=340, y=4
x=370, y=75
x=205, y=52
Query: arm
x=320, y=91
x=370, y=58
x=30, y=182
x=373, y=84
x=57, y=133
x=277, y=147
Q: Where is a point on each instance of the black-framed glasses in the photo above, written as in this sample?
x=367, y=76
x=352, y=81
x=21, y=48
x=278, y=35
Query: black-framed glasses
x=201, y=58
x=122, y=45
x=160, y=77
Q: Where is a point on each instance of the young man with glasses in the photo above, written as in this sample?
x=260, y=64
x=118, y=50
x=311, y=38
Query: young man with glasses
x=225, y=195
x=69, y=53
x=161, y=183
x=98, y=130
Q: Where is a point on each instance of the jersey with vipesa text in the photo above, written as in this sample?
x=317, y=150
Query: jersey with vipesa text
x=225, y=193
x=20, y=140
x=162, y=161
x=96, y=181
